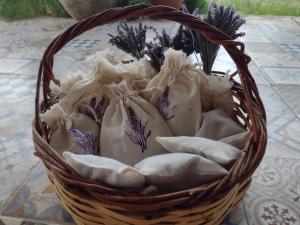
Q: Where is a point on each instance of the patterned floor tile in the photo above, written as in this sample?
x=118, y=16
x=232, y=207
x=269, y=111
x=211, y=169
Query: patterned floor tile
x=36, y=199
x=16, y=147
x=273, y=103
x=275, y=60
x=291, y=95
x=277, y=148
x=26, y=205
x=29, y=69
x=13, y=221
x=27, y=52
x=17, y=86
x=285, y=37
x=249, y=37
x=258, y=74
x=273, y=197
x=83, y=43
x=283, y=75
x=291, y=48
x=285, y=128
x=266, y=48
x=10, y=65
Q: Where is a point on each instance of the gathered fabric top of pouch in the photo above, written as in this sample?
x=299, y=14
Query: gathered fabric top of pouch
x=116, y=91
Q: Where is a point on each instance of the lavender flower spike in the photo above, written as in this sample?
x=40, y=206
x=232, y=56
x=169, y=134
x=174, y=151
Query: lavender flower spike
x=85, y=141
x=164, y=105
x=136, y=130
x=98, y=108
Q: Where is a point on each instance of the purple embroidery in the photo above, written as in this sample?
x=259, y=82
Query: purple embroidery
x=136, y=129
x=85, y=141
x=164, y=105
x=99, y=108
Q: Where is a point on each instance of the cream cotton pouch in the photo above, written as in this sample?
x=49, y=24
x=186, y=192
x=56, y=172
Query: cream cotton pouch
x=73, y=132
x=130, y=125
x=174, y=91
x=215, y=92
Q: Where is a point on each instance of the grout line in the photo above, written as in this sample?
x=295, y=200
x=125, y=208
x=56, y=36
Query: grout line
x=13, y=194
x=285, y=101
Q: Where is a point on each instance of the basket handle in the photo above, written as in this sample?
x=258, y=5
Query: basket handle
x=234, y=48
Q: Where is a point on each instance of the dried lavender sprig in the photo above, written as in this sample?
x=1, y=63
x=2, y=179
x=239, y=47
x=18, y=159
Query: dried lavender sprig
x=225, y=19
x=136, y=129
x=130, y=39
x=85, y=141
x=95, y=110
x=165, y=106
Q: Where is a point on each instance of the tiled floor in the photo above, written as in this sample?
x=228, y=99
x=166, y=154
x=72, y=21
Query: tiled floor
x=274, y=45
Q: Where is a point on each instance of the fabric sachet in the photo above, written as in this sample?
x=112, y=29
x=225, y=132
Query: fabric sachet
x=217, y=125
x=130, y=125
x=137, y=72
x=106, y=170
x=215, y=92
x=219, y=152
x=179, y=171
x=176, y=94
x=73, y=132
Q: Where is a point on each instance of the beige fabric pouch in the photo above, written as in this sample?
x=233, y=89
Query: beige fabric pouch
x=130, y=125
x=215, y=92
x=176, y=94
x=108, y=171
x=179, y=171
x=74, y=132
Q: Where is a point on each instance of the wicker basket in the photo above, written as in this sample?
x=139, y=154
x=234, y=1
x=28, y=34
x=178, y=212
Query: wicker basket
x=90, y=202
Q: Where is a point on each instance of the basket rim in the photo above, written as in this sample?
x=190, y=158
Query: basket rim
x=247, y=91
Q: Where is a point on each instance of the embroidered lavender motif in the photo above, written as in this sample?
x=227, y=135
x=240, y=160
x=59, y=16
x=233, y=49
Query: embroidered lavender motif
x=85, y=141
x=164, y=105
x=99, y=108
x=136, y=130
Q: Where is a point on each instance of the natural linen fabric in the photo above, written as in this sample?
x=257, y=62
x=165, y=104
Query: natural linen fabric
x=137, y=73
x=66, y=85
x=82, y=93
x=125, y=62
x=106, y=170
x=216, y=92
x=176, y=94
x=73, y=132
x=219, y=152
x=217, y=125
x=130, y=125
x=179, y=171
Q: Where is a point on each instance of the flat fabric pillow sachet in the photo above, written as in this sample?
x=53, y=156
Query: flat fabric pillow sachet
x=106, y=170
x=216, y=151
x=176, y=94
x=217, y=125
x=179, y=171
x=130, y=125
x=73, y=132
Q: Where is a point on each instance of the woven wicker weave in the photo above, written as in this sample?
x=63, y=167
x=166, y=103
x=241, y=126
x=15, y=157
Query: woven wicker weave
x=90, y=202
